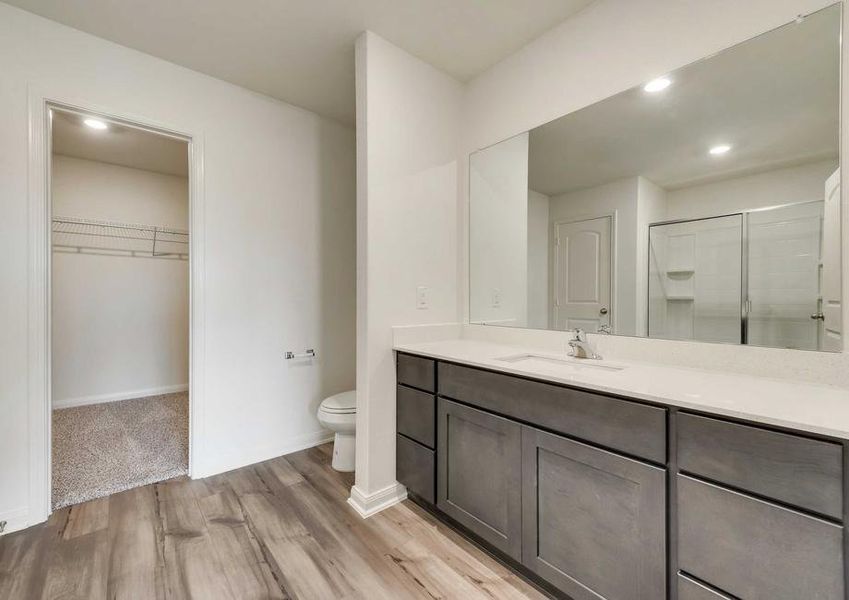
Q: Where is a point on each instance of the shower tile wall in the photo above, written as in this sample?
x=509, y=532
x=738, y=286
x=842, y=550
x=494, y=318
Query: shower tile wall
x=784, y=260
x=717, y=282
x=695, y=284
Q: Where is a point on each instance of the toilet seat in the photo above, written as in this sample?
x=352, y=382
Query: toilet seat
x=340, y=404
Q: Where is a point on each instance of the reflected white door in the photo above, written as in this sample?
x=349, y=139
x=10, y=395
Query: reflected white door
x=582, y=253
x=831, y=325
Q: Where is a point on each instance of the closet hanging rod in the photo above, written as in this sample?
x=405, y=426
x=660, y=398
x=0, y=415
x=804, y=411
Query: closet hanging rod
x=126, y=239
x=116, y=225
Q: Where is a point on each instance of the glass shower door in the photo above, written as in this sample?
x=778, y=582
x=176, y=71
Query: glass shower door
x=695, y=280
x=784, y=276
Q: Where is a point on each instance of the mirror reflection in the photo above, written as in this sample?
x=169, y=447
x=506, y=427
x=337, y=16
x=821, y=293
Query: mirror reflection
x=702, y=205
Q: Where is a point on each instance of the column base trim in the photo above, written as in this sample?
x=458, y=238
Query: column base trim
x=367, y=505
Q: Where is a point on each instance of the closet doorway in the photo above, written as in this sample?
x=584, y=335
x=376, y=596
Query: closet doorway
x=119, y=305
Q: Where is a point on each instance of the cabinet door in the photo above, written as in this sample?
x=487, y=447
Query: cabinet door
x=415, y=415
x=755, y=549
x=414, y=467
x=479, y=474
x=594, y=522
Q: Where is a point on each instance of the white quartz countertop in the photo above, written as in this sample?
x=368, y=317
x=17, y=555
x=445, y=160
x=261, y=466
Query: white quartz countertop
x=811, y=408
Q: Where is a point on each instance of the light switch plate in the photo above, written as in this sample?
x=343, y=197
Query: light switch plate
x=422, y=297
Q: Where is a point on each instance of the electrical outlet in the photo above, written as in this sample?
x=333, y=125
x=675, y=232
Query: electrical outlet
x=496, y=298
x=422, y=297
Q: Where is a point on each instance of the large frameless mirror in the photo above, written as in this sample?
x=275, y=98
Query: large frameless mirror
x=701, y=205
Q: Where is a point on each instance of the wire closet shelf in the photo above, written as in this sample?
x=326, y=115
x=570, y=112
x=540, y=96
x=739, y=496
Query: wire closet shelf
x=88, y=236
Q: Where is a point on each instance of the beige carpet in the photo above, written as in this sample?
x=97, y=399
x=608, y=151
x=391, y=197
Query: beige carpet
x=101, y=449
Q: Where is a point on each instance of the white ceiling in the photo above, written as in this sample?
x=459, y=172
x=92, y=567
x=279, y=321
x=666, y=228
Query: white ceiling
x=302, y=51
x=119, y=145
x=774, y=98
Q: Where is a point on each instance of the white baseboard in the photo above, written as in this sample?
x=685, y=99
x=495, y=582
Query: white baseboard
x=114, y=397
x=15, y=520
x=248, y=456
x=371, y=504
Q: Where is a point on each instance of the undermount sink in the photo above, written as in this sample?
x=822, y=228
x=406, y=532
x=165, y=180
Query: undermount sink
x=547, y=362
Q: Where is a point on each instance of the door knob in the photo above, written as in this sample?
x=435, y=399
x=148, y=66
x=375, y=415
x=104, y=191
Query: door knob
x=818, y=316
x=603, y=311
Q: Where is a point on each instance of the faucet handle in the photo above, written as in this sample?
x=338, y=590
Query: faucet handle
x=580, y=335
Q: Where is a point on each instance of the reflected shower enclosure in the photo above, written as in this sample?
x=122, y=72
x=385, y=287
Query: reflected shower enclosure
x=756, y=278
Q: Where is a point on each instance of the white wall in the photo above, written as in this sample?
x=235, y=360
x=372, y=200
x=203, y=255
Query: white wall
x=538, y=255
x=619, y=198
x=803, y=183
x=279, y=275
x=498, y=236
x=611, y=46
x=408, y=119
x=89, y=189
x=120, y=323
x=651, y=208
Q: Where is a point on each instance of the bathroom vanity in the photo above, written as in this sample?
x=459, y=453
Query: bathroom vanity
x=664, y=211
x=622, y=494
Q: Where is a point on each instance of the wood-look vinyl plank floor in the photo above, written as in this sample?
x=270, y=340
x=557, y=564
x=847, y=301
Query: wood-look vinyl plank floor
x=279, y=530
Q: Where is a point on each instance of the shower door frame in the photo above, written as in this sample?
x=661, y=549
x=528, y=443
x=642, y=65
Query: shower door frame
x=745, y=303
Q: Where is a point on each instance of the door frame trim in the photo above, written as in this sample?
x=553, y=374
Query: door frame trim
x=614, y=230
x=39, y=269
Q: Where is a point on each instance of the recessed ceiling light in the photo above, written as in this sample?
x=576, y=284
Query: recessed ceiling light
x=657, y=85
x=96, y=124
x=720, y=149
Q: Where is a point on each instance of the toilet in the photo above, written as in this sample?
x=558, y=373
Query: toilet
x=338, y=413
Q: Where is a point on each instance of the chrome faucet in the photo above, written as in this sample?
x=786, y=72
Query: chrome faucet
x=580, y=347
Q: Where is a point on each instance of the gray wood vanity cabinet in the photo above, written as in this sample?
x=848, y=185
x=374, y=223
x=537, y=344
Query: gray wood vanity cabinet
x=594, y=522
x=608, y=498
x=759, y=511
x=479, y=474
x=415, y=441
x=796, y=470
x=755, y=549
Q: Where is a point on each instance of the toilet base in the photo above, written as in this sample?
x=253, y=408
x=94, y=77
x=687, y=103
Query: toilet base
x=344, y=452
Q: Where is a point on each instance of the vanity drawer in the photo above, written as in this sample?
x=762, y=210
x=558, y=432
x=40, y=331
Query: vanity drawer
x=414, y=467
x=791, y=469
x=689, y=589
x=417, y=372
x=416, y=415
x=630, y=427
x=754, y=549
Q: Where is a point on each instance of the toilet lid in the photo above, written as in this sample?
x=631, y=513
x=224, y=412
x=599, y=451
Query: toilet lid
x=346, y=402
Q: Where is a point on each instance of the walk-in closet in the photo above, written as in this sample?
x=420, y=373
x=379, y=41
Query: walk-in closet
x=119, y=306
